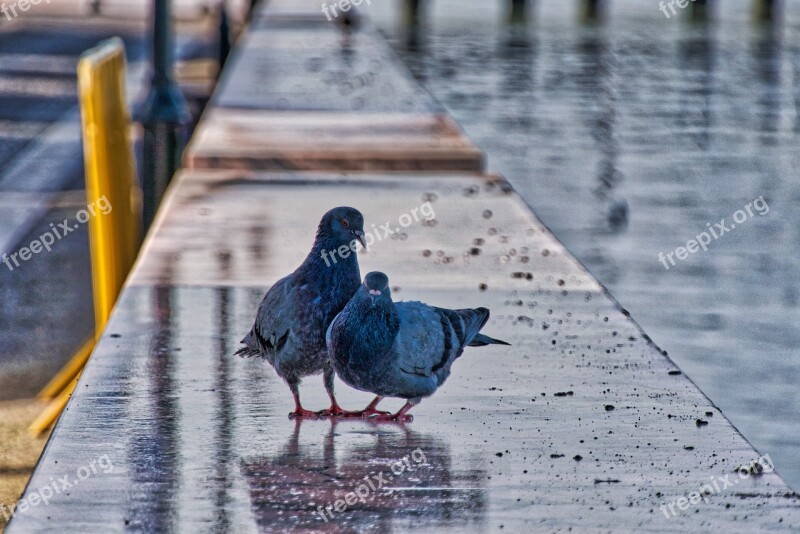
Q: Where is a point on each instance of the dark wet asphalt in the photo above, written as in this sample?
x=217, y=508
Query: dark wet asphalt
x=45, y=304
x=39, y=83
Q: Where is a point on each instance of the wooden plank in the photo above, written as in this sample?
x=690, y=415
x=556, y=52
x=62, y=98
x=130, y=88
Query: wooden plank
x=334, y=141
x=581, y=425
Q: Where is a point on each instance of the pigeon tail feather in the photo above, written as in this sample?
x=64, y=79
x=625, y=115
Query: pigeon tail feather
x=467, y=322
x=482, y=340
x=247, y=352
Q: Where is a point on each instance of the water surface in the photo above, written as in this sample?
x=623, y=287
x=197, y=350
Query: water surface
x=628, y=139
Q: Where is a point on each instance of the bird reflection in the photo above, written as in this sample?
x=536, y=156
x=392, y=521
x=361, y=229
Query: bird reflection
x=396, y=477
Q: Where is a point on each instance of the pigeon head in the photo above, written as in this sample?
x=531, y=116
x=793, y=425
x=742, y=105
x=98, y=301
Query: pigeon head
x=344, y=225
x=377, y=285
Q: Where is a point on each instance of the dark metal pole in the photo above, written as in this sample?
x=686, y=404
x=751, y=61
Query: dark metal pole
x=411, y=10
x=518, y=13
x=163, y=116
x=224, y=36
x=591, y=10
x=699, y=11
x=766, y=10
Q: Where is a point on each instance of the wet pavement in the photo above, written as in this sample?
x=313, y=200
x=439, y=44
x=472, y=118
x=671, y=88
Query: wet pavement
x=315, y=66
x=302, y=93
x=46, y=303
x=582, y=423
x=233, y=138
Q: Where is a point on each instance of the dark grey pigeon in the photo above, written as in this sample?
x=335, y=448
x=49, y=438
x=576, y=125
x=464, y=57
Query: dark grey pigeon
x=289, y=330
x=399, y=350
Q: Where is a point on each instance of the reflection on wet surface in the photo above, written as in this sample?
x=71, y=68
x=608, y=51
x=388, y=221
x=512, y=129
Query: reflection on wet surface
x=153, y=452
x=360, y=476
x=290, y=65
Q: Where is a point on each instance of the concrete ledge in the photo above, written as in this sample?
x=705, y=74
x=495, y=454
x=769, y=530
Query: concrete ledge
x=291, y=65
x=302, y=93
x=262, y=225
x=583, y=424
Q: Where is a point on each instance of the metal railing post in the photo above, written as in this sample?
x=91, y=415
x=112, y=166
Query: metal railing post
x=163, y=116
x=591, y=11
x=224, y=35
x=518, y=13
x=411, y=12
x=699, y=11
x=766, y=10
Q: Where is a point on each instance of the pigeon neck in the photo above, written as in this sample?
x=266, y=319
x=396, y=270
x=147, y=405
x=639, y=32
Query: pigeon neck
x=380, y=311
x=364, y=319
x=330, y=252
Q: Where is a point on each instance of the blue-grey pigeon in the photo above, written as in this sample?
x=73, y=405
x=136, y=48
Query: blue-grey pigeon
x=402, y=349
x=290, y=325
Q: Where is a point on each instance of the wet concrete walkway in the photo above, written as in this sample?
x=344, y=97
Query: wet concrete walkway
x=302, y=93
x=582, y=424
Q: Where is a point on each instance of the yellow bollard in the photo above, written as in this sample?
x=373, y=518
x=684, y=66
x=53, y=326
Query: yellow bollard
x=52, y=410
x=115, y=236
x=69, y=372
x=110, y=172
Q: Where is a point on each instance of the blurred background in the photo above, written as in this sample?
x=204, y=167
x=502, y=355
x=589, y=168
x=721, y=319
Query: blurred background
x=626, y=135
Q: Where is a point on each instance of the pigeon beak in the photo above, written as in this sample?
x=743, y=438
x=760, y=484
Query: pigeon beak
x=360, y=236
x=373, y=296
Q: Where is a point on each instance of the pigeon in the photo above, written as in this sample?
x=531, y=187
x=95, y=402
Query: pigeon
x=402, y=349
x=290, y=325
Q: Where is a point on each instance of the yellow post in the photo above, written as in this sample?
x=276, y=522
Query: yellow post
x=68, y=372
x=113, y=191
x=110, y=173
x=53, y=409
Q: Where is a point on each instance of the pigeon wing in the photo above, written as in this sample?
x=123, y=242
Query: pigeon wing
x=273, y=321
x=430, y=339
x=465, y=323
x=420, y=343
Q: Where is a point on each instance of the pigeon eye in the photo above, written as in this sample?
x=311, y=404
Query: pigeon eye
x=345, y=223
